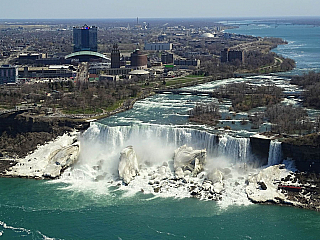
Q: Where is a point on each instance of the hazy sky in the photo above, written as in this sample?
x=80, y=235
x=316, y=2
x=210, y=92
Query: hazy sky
x=47, y=9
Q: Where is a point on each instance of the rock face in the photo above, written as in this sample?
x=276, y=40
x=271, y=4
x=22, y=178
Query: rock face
x=21, y=133
x=182, y=176
x=21, y=122
x=49, y=160
x=128, y=165
x=187, y=159
x=260, y=149
x=263, y=187
x=307, y=158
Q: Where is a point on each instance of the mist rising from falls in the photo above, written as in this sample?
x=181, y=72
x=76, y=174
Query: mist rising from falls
x=154, y=146
x=155, y=143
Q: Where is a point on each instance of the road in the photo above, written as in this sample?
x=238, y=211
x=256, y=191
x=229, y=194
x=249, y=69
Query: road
x=7, y=60
x=82, y=72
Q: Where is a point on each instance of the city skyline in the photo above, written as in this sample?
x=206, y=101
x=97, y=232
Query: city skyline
x=71, y=9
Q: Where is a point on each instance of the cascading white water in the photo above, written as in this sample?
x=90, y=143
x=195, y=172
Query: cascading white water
x=275, y=153
x=154, y=145
x=236, y=149
x=152, y=139
x=145, y=138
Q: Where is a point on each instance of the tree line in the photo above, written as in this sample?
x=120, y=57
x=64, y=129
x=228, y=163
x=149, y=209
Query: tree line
x=71, y=97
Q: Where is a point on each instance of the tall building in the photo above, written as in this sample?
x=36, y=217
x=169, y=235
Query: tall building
x=85, y=39
x=8, y=74
x=115, y=57
x=228, y=55
x=166, y=58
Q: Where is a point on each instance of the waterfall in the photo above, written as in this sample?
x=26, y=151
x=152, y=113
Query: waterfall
x=275, y=154
x=154, y=146
x=236, y=149
x=155, y=143
x=148, y=135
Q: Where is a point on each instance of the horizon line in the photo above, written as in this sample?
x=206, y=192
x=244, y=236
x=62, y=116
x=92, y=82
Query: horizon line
x=159, y=18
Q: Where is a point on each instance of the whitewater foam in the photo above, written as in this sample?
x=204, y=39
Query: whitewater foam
x=96, y=170
x=34, y=234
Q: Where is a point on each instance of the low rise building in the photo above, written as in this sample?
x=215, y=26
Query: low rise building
x=112, y=78
x=58, y=71
x=187, y=62
x=161, y=46
x=118, y=71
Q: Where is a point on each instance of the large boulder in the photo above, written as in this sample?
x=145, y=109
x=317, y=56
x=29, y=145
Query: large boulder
x=128, y=165
x=185, y=158
x=263, y=187
x=60, y=160
x=215, y=176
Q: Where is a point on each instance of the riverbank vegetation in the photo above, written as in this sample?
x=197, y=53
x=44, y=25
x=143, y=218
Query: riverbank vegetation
x=205, y=113
x=284, y=119
x=310, y=82
x=288, y=119
x=245, y=97
x=255, y=62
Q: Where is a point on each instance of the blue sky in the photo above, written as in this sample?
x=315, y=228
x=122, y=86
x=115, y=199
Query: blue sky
x=55, y=9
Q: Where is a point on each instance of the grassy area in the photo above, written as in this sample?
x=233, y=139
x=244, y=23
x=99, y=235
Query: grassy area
x=180, y=81
x=195, y=76
x=114, y=106
x=83, y=111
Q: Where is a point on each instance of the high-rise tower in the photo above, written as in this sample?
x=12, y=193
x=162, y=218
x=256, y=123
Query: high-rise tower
x=85, y=39
x=115, y=57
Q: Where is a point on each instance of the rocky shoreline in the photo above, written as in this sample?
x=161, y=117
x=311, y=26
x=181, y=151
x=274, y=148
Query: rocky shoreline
x=308, y=192
x=277, y=185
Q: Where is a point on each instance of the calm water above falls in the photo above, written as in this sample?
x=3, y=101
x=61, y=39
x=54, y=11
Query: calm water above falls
x=79, y=207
